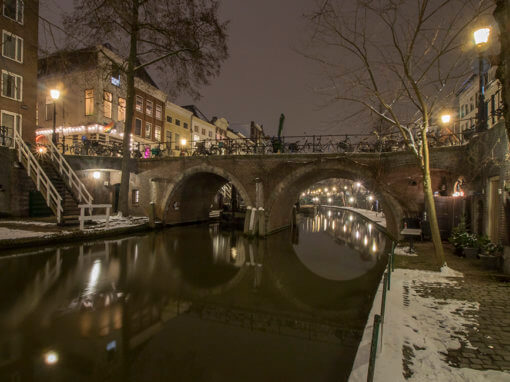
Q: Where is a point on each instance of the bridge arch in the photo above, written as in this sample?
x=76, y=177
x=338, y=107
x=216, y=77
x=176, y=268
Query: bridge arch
x=285, y=193
x=188, y=196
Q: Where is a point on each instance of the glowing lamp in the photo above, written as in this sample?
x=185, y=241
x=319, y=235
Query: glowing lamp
x=482, y=36
x=446, y=118
x=50, y=358
x=55, y=94
x=96, y=174
x=183, y=142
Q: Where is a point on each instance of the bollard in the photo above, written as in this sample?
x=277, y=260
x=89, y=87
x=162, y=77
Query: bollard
x=373, y=348
x=152, y=215
x=262, y=222
x=247, y=218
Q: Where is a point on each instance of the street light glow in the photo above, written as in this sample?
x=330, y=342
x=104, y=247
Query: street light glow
x=50, y=358
x=482, y=36
x=183, y=142
x=96, y=174
x=55, y=94
x=446, y=118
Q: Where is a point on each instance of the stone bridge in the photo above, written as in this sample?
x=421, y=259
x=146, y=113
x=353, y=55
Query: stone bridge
x=274, y=182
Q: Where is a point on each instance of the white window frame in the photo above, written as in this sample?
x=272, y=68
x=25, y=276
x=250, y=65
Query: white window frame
x=18, y=3
x=157, y=133
x=159, y=108
x=137, y=98
x=90, y=101
x=121, y=110
x=2, y=112
x=148, y=127
x=107, y=104
x=16, y=50
x=147, y=107
x=20, y=87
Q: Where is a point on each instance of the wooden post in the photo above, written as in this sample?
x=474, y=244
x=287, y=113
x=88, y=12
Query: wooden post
x=108, y=217
x=82, y=217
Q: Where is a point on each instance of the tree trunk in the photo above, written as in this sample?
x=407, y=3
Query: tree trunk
x=502, y=16
x=130, y=98
x=430, y=205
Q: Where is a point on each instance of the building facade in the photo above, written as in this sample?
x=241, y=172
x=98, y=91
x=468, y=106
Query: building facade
x=92, y=101
x=177, y=129
x=19, y=28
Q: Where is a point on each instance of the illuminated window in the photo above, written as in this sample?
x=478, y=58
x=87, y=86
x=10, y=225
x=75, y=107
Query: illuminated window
x=13, y=9
x=203, y=131
x=89, y=102
x=148, y=108
x=107, y=104
x=121, y=111
x=148, y=130
x=177, y=143
x=157, y=133
x=11, y=85
x=159, y=112
x=12, y=46
x=139, y=104
x=135, y=197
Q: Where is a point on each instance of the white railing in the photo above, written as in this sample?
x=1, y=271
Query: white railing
x=35, y=171
x=83, y=218
x=69, y=176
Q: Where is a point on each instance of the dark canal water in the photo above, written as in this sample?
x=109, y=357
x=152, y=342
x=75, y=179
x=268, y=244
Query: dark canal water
x=192, y=303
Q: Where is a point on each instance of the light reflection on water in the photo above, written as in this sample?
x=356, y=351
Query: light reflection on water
x=193, y=304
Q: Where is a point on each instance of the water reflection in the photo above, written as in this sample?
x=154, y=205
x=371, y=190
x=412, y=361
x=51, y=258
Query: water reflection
x=191, y=304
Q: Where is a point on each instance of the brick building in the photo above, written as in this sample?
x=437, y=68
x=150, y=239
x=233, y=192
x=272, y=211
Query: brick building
x=92, y=100
x=19, y=28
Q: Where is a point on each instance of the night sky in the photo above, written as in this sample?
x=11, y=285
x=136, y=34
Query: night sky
x=264, y=76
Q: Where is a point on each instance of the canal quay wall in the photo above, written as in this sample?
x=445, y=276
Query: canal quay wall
x=181, y=188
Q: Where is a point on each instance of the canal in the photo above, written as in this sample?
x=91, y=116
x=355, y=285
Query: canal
x=194, y=303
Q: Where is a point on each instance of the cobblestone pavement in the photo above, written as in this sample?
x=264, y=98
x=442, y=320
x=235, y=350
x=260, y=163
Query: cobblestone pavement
x=489, y=341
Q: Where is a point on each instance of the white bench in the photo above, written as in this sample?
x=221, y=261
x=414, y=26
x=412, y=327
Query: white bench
x=89, y=217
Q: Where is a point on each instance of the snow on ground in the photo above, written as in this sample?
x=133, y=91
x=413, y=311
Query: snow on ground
x=376, y=217
x=9, y=234
x=27, y=222
x=404, y=251
x=424, y=327
x=116, y=222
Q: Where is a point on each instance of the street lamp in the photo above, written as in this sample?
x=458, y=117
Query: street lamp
x=446, y=118
x=481, y=38
x=55, y=94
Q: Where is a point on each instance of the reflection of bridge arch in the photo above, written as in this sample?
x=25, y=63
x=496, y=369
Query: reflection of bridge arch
x=279, y=205
x=193, y=191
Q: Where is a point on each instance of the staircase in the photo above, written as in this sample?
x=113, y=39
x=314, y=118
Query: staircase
x=55, y=180
x=70, y=210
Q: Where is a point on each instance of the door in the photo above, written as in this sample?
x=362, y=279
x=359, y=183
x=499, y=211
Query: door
x=115, y=197
x=494, y=209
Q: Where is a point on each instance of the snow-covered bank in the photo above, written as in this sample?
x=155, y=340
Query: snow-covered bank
x=376, y=217
x=420, y=330
x=15, y=233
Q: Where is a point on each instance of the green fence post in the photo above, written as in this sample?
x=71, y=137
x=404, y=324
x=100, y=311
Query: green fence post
x=373, y=348
x=393, y=246
x=389, y=274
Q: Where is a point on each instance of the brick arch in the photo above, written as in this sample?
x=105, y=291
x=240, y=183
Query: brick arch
x=286, y=192
x=194, y=189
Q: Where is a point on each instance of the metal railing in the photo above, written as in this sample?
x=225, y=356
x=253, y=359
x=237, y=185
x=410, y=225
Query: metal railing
x=305, y=144
x=41, y=180
x=378, y=326
x=70, y=177
x=90, y=207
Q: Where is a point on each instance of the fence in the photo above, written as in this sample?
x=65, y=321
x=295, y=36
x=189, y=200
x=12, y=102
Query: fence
x=306, y=144
x=378, y=329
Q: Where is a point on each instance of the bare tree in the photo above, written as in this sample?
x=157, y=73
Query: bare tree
x=402, y=60
x=502, y=16
x=183, y=40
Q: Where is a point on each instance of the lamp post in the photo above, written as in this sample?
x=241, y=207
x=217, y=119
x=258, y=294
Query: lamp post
x=55, y=94
x=481, y=38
